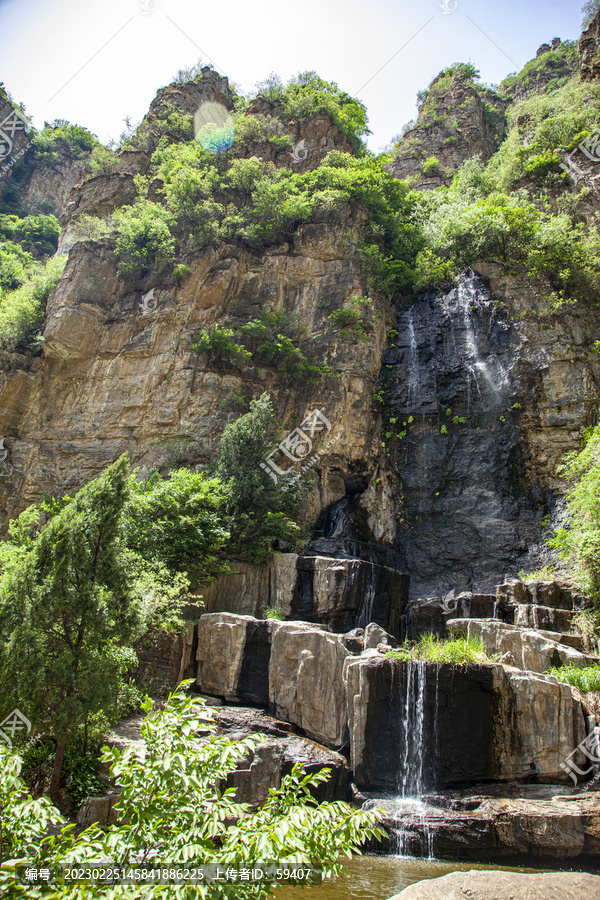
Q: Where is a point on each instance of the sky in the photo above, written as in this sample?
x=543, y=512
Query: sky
x=95, y=63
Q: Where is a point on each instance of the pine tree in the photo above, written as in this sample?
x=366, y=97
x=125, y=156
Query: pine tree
x=66, y=612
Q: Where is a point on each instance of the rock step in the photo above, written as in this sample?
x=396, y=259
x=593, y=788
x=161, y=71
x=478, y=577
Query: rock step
x=492, y=885
x=527, y=649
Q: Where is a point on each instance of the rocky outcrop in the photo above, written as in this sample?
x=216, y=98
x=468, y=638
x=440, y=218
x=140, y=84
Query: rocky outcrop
x=338, y=593
x=475, y=723
x=294, y=669
x=546, y=605
x=494, y=821
x=431, y=615
x=165, y=659
x=476, y=885
x=457, y=120
x=306, y=681
x=533, y=651
x=589, y=50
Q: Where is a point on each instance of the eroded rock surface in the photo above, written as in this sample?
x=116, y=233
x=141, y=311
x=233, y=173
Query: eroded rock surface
x=477, y=885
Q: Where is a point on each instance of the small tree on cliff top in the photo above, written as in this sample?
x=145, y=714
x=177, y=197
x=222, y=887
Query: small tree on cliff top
x=66, y=614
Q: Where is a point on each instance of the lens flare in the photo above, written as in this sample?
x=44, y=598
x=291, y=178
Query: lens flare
x=214, y=128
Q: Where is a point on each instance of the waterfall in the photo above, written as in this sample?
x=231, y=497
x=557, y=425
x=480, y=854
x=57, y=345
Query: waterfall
x=413, y=722
x=419, y=733
x=413, y=360
x=487, y=372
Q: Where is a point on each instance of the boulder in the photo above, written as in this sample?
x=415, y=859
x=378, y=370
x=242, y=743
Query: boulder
x=538, y=722
x=233, y=657
x=376, y=635
x=100, y=810
x=492, y=885
x=306, y=683
x=282, y=749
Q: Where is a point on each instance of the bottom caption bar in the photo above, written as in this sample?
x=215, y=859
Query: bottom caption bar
x=174, y=874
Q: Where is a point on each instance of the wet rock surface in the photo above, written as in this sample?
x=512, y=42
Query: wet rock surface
x=496, y=821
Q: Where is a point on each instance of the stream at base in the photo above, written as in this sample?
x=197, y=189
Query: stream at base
x=380, y=877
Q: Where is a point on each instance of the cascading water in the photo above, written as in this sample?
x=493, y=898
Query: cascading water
x=418, y=730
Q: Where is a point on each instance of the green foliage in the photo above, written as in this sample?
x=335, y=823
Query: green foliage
x=169, y=800
x=37, y=235
x=271, y=612
x=586, y=679
x=544, y=73
x=144, y=238
x=22, y=310
x=429, y=648
x=259, y=510
x=66, y=613
x=589, y=9
x=355, y=323
x=431, y=166
x=177, y=521
x=267, y=342
x=220, y=346
x=578, y=541
x=308, y=95
x=59, y=140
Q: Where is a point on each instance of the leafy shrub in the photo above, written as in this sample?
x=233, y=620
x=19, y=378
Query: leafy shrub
x=307, y=95
x=259, y=510
x=144, y=238
x=22, y=310
x=177, y=521
x=59, y=139
x=35, y=234
x=578, y=541
x=188, y=825
x=430, y=166
x=586, y=679
x=355, y=323
x=220, y=345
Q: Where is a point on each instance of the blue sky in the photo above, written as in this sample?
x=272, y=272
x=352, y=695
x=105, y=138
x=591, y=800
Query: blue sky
x=94, y=63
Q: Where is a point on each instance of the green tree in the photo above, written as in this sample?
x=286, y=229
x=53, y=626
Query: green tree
x=169, y=801
x=66, y=612
x=259, y=509
x=178, y=521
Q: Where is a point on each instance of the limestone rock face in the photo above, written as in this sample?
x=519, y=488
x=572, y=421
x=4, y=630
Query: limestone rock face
x=538, y=723
x=165, y=659
x=233, y=657
x=589, y=50
x=294, y=669
x=491, y=885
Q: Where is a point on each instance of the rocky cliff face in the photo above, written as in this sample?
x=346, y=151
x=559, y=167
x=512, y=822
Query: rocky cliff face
x=456, y=121
x=589, y=50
